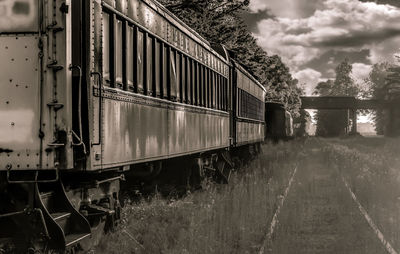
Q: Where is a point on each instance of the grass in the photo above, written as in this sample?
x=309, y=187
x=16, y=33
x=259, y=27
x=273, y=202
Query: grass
x=372, y=168
x=220, y=219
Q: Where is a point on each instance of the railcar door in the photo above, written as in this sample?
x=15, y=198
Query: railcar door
x=35, y=124
x=20, y=93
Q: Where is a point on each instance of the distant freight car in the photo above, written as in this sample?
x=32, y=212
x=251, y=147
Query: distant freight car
x=279, y=122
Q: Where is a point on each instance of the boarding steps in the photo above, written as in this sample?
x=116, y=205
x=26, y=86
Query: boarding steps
x=66, y=226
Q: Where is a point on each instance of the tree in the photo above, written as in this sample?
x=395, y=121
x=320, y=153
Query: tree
x=383, y=84
x=335, y=122
x=376, y=81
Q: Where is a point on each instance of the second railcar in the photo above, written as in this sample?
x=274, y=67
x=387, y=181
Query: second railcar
x=248, y=126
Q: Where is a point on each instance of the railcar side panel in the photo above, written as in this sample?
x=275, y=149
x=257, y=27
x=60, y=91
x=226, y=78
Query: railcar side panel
x=138, y=128
x=249, y=132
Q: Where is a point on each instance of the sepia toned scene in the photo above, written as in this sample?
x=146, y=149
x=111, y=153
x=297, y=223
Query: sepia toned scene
x=200, y=126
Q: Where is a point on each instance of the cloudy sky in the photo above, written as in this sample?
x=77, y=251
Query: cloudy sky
x=314, y=36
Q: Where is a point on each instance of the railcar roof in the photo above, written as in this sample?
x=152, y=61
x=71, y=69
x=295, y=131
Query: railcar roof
x=247, y=73
x=180, y=24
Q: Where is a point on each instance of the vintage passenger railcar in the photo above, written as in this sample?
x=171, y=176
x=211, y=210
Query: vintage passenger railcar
x=93, y=91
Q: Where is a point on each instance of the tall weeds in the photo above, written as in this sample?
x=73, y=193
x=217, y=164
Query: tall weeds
x=219, y=219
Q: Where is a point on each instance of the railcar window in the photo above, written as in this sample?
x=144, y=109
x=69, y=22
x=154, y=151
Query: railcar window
x=139, y=62
x=19, y=16
x=106, y=47
x=129, y=57
x=221, y=92
x=225, y=93
x=189, y=81
x=192, y=82
x=207, y=86
x=118, y=53
x=250, y=106
x=172, y=74
x=217, y=91
x=198, y=85
x=184, y=79
x=158, y=68
x=212, y=88
x=165, y=70
x=178, y=76
x=149, y=64
x=204, y=84
x=194, y=78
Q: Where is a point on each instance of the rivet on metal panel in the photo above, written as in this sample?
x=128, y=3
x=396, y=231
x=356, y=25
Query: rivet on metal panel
x=27, y=165
x=7, y=102
x=12, y=59
x=18, y=166
x=9, y=166
x=10, y=80
x=12, y=123
x=6, y=47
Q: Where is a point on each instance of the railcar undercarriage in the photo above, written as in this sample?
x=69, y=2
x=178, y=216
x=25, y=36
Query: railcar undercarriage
x=63, y=215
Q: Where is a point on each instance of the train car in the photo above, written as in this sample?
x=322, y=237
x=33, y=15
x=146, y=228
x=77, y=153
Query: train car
x=279, y=122
x=100, y=91
x=248, y=126
x=92, y=90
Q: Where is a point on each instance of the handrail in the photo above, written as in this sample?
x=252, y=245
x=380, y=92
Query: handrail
x=100, y=104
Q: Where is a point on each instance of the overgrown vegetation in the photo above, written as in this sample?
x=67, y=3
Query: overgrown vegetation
x=383, y=84
x=371, y=166
x=220, y=219
x=220, y=22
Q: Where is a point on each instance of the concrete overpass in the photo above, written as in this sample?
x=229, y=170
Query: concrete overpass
x=340, y=102
x=343, y=102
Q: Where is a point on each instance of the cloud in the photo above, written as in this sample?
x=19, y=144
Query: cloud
x=257, y=5
x=286, y=8
x=385, y=50
x=361, y=71
x=309, y=78
x=339, y=25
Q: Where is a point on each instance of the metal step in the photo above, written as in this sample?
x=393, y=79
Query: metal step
x=74, y=238
x=60, y=215
x=47, y=198
x=61, y=218
x=66, y=226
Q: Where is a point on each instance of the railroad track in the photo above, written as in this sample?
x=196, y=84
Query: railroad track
x=320, y=199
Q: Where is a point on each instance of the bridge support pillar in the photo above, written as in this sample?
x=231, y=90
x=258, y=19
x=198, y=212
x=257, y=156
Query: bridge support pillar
x=354, y=121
